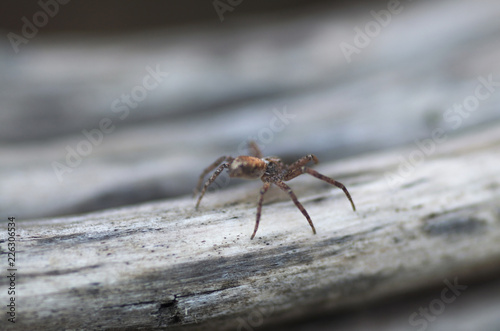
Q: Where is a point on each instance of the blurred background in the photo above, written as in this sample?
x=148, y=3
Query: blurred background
x=105, y=104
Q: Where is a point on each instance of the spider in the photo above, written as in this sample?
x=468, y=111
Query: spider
x=271, y=170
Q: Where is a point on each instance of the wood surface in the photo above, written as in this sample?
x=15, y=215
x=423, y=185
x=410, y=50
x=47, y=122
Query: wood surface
x=164, y=264
x=116, y=243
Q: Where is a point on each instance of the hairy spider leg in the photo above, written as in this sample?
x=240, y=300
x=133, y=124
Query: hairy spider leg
x=303, y=161
x=207, y=170
x=288, y=190
x=329, y=180
x=295, y=169
x=254, y=149
x=263, y=191
x=211, y=180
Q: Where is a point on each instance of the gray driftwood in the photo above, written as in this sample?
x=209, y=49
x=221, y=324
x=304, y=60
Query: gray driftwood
x=164, y=264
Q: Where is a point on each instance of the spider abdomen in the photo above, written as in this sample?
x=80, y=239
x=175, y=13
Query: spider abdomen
x=247, y=167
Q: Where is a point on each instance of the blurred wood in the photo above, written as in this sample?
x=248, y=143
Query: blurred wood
x=164, y=264
x=224, y=85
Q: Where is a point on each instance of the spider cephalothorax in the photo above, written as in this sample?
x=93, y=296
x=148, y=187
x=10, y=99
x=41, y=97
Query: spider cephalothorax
x=271, y=170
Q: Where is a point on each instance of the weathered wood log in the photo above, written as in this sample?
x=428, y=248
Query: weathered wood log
x=165, y=264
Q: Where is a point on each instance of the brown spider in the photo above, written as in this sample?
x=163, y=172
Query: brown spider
x=271, y=171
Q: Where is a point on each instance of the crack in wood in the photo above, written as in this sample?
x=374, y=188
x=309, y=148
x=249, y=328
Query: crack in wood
x=462, y=222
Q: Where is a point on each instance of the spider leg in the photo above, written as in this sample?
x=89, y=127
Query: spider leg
x=263, y=191
x=254, y=149
x=211, y=180
x=291, y=174
x=288, y=190
x=207, y=170
x=295, y=170
x=329, y=181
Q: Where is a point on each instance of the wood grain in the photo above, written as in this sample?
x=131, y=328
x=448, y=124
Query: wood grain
x=164, y=264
